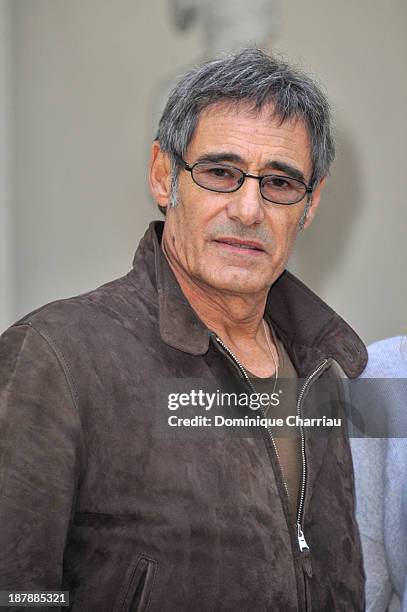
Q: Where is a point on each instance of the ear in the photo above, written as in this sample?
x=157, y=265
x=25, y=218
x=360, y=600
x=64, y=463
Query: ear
x=315, y=198
x=160, y=175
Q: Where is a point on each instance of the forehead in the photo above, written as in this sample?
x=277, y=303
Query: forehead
x=256, y=136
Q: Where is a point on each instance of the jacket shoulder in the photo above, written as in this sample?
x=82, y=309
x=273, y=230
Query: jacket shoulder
x=105, y=301
x=90, y=316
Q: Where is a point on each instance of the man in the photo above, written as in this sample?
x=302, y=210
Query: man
x=98, y=501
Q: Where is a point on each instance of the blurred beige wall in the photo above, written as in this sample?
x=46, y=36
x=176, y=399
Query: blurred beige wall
x=355, y=254
x=6, y=291
x=86, y=77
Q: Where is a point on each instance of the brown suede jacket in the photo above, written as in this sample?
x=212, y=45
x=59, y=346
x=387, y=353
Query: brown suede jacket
x=95, y=500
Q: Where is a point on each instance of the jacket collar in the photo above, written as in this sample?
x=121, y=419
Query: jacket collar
x=309, y=328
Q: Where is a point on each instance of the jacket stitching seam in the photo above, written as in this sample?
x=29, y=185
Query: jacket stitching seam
x=67, y=375
x=7, y=449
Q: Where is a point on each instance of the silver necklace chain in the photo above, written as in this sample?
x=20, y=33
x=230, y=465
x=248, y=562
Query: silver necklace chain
x=272, y=355
x=269, y=345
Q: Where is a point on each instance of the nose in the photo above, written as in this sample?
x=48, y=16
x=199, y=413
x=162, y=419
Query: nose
x=246, y=204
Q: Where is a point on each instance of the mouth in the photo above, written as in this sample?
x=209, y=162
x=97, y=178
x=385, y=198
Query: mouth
x=240, y=246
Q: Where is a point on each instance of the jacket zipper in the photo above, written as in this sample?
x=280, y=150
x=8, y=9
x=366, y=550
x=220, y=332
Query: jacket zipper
x=302, y=543
x=303, y=546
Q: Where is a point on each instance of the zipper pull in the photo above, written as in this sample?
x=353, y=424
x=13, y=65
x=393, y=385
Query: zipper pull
x=305, y=552
x=301, y=539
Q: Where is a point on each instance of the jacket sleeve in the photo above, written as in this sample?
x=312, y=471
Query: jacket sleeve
x=40, y=458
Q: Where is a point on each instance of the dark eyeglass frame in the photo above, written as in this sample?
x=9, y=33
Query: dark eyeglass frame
x=308, y=188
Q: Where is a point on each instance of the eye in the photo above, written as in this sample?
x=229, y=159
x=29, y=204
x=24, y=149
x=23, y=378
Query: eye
x=221, y=172
x=216, y=177
x=279, y=182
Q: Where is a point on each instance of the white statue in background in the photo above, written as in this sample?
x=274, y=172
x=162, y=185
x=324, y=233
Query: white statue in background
x=228, y=24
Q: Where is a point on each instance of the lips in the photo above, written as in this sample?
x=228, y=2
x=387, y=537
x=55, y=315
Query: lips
x=243, y=245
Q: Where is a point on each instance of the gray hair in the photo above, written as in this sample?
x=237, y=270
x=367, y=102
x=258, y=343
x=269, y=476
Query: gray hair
x=259, y=79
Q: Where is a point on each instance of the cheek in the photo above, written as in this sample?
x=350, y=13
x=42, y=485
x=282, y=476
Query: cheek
x=188, y=234
x=197, y=211
x=283, y=226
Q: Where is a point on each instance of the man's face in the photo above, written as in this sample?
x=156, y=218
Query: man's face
x=199, y=232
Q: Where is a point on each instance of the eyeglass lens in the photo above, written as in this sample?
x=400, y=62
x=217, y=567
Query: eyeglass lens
x=218, y=177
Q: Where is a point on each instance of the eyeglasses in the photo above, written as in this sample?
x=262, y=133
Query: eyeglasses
x=222, y=178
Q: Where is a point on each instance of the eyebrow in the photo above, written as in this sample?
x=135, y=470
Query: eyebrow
x=273, y=164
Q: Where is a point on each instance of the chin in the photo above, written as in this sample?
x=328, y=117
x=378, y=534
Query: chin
x=236, y=283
